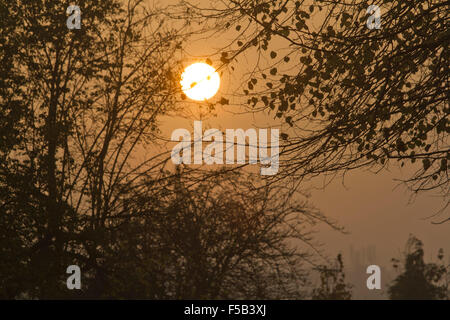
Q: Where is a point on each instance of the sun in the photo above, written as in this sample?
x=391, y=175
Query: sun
x=200, y=81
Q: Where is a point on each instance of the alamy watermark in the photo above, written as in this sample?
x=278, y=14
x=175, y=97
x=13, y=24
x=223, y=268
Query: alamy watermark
x=74, y=20
x=374, y=20
x=374, y=281
x=213, y=153
x=74, y=280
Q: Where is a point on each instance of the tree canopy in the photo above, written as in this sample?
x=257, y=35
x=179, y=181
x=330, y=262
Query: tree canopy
x=79, y=108
x=76, y=106
x=349, y=96
x=418, y=280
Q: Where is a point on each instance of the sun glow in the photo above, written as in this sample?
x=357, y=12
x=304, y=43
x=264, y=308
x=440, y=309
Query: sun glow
x=200, y=81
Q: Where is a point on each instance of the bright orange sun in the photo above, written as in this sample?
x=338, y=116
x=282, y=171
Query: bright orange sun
x=200, y=81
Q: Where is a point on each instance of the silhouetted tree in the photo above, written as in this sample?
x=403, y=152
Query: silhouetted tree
x=419, y=280
x=76, y=107
x=227, y=237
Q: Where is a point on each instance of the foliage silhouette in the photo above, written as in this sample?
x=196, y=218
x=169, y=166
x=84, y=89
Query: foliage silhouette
x=350, y=96
x=77, y=106
x=223, y=238
x=419, y=280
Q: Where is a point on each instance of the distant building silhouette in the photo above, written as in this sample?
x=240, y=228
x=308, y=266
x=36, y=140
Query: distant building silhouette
x=363, y=257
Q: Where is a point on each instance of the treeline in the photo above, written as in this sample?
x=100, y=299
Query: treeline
x=415, y=280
